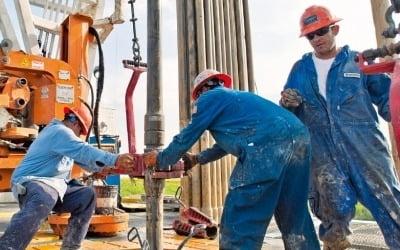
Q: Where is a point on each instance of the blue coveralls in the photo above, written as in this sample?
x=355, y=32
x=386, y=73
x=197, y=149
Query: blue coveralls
x=271, y=175
x=41, y=183
x=351, y=160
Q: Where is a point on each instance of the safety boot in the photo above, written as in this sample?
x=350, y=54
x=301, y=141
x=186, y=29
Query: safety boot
x=339, y=244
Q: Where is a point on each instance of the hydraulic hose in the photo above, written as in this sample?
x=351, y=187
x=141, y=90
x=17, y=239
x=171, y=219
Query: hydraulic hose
x=100, y=85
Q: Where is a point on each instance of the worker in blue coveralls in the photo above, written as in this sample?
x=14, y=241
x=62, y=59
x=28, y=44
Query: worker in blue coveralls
x=271, y=175
x=42, y=183
x=351, y=160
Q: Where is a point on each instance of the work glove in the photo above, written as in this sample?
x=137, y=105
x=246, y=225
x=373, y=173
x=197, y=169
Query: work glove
x=102, y=175
x=150, y=159
x=125, y=161
x=290, y=98
x=89, y=178
x=189, y=160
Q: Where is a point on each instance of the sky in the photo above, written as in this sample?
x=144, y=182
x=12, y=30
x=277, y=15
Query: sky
x=276, y=47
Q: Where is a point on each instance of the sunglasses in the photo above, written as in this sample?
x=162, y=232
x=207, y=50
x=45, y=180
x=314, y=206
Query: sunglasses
x=72, y=118
x=208, y=85
x=320, y=32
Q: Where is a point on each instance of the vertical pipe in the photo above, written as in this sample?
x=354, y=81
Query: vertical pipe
x=206, y=196
x=154, y=122
x=200, y=199
x=233, y=40
x=222, y=36
x=206, y=170
x=218, y=24
x=184, y=87
x=209, y=34
x=249, y=48
x=241, y=48
x=183, y=60
x=192, y=16
x=212, y=62
x=227, y=38
x=212, y=175
x=223, y=167
x=217, y=35
x=200, y=34
x=154, y=126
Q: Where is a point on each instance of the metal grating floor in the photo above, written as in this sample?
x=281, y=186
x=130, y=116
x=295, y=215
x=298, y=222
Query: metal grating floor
x=367, y=235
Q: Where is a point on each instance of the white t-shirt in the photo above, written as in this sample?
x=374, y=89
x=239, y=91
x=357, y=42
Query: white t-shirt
x=322, y=66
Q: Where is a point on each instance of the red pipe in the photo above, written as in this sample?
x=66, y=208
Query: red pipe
x=394, y=102
x=130, y=118
x=177, y=170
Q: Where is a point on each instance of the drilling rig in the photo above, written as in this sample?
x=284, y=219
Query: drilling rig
x=52, y=71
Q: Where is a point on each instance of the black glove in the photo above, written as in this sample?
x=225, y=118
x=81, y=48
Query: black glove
x=189, y=160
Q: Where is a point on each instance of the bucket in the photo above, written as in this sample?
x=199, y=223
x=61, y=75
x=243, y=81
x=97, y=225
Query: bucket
x=107, y=199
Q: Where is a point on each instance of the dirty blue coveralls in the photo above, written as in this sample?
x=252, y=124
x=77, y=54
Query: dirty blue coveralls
x=351, y=160
x=271, y=175
x=41, y=183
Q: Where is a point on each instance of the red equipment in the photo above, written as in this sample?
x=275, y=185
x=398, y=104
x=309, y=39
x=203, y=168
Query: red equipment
x=392, y=66
x=192, y=217
x=175, y=171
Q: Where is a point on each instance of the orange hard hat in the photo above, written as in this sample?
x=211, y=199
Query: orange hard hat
x=314, y=18
x=207, y=75
x=83, y=115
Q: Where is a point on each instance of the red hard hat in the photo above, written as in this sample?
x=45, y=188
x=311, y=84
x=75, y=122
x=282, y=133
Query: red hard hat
x=314, y=18
x=206, y=75
x=83, y=115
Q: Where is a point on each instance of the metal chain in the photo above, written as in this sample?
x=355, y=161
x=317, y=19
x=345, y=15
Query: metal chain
x=392, y=31
x=396, y=5
x=135, y=40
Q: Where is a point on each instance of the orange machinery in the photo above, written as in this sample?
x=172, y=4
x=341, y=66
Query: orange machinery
x=34, y=89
